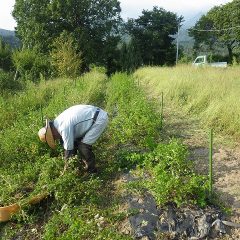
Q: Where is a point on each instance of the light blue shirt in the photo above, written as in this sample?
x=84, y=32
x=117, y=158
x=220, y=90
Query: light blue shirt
x=73, y=123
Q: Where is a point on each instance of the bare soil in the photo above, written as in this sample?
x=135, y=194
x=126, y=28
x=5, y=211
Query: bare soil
x=226, y=160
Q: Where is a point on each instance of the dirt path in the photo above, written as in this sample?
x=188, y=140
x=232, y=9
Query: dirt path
x=226, y=159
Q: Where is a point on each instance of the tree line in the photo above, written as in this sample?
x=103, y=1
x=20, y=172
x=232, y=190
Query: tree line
x=66, y=38
x=218, y=32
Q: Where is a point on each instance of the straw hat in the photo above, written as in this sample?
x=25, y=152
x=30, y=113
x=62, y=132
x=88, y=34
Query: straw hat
x=45, y=134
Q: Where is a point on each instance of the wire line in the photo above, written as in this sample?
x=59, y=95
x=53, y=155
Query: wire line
x=214, y=30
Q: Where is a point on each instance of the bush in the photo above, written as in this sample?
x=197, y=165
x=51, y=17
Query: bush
x=5, y=56
x=64, y=56
x=31, y=64
x=7, y=82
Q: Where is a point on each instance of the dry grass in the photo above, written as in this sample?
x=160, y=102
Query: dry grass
x=211, y=94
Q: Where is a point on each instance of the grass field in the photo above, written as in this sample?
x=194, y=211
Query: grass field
x=211, y=94
x=132, y=142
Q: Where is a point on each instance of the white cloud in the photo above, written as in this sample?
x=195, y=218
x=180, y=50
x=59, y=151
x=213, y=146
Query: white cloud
x=6, y=19
x=130, y=8
x=133, y=8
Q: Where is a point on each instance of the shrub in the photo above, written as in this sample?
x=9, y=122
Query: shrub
x=7, y=82
x=31, y=64
x=5, y=56
x=64, y=56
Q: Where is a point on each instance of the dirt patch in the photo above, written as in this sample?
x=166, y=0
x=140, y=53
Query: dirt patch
x=148, y=221
x=226, y=160
x=181, y=223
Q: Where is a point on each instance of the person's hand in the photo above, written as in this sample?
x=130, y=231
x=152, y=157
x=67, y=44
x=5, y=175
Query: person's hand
x=67, y=154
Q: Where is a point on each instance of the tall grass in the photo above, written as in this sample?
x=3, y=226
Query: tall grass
x=76, y=207
x=212, y=94
x=20, y=120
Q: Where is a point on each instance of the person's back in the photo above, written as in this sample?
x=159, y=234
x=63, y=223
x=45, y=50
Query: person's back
x=78, y=126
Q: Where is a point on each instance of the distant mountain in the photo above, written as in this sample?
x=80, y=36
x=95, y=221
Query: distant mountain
x=9, y=38
x=5, y=33
x=185, y=40
x=190, y=20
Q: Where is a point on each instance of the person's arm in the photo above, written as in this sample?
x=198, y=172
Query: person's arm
x=68, y=142
x=67, y=153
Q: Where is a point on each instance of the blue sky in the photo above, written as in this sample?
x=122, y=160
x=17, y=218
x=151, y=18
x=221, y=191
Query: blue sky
x=131, y=8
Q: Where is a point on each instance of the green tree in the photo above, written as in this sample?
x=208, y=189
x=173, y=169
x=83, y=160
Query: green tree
x=31, y=65
x=219, y=28
x=5, y=56
x=130, y=58
x=64, y=56
x=34, y=25
x=151, y=33
x=92, y=23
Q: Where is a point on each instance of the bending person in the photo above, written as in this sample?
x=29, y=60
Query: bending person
x=77, y=128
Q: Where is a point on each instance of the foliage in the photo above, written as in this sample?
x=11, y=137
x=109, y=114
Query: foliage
x=21, y=116
x=64, y=56
x=220, y=28
x=185, y=59
x=76, y=203
x=173, y=178
x=5, y=56
x=130, y=58
x=86, y=225
x=95, y=68
x=166, y=163
x=92, y=23
x=135, y=121
x=7, y=83
x=151, y=34
x=31, y=64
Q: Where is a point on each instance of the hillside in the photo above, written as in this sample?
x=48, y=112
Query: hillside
x=185, y=40
x=10, y=38
x=6, y=33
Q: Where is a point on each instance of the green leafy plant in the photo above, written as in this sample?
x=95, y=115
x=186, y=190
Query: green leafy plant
x=64, y=56
x=172, y=175
x=31, y=64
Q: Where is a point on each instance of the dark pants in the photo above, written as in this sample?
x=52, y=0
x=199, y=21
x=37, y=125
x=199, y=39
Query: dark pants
x=87, y=155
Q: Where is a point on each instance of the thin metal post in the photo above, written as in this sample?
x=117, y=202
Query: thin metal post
x=161, y=119
x=41, y=112
x=210, y=162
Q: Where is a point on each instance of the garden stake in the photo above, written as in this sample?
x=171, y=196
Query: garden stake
x=161, y=119
x=41, y=113
x=210, y=162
